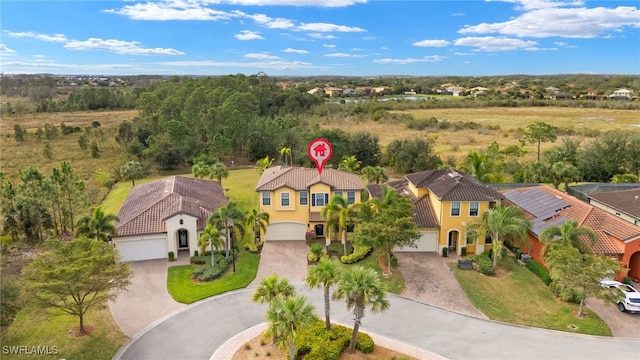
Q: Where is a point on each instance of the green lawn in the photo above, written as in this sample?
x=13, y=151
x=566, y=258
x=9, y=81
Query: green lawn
x=184, y=290
x=395, y=282
x=520, y=297
x=36, y=327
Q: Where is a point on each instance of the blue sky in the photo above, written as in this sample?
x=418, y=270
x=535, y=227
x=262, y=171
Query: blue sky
x=320, y=37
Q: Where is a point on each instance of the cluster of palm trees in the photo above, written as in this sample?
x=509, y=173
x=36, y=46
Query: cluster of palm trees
x=290, y=313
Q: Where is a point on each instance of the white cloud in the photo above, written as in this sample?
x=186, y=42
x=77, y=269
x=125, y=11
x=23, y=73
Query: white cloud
x=261, y=56
x=328, y=45
x=324, y=3
x=275, y=65
x=431, y=43
x=4, y=50
x=338, y=55
x=44, y=37
x=432, y=58
x=457, y=14
x=171, y=10
x=119, y=47
x=326, y=27
x=541, y=4
x=463, y=54
x=562, y=22
x=39, y=56
x=491, y=43
x=295, y=51
x=248, y=35
x=269, y=22
x=321, y=36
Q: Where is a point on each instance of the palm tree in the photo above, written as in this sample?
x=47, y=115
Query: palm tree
x=132, y=170
x=563, y=172
x=200, y=170
x=350, y=164
x=218, y=171
x=361, y=287
x=231, y=219
x=569, y=234
x=272, y=287
x=501, y=223
x=324, y=275
x=284, y=152
x=264, y=163
x=481, y=167
x=211, y=236
x=99, y=226
x=287, y=316
x=338, y=214
x=534, y=172
x=374, y=174
x=258, y=220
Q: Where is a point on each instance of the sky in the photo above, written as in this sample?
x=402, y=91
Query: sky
x=320, y=37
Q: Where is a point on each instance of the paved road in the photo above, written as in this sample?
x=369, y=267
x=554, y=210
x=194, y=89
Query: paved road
x=198, y=330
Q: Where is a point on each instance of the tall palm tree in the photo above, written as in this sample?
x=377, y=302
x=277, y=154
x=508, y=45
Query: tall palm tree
x=272, y=287
x=350, y=164
x=324, y=275
x=264, y=163
x=287, y=316
x=501, y=223
x=258, y=221
x=563, y=172
x=211, y=236
x=200, y=170
x=99, y=226
x=569, y=234
x=360, y=288
x=481, y=167
x=284, y=153
x=132, y=170
x=218, y=171
x=230, y=219
x=374, y=174
x=338, y=213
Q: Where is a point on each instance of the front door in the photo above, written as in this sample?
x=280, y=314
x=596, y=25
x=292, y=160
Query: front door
x=319, y=229
x=183, y=239
x=453, y=239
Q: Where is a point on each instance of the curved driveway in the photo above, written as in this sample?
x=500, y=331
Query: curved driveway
x=198, y=330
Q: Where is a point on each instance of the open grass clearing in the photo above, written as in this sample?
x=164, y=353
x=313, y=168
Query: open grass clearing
x=519, y=297
x=37, y=327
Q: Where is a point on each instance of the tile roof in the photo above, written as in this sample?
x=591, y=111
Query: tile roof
x=299, y=178
x=611, y=230
x=148, y=205
x=627, y=201
x=425, y=215
x=452, y=185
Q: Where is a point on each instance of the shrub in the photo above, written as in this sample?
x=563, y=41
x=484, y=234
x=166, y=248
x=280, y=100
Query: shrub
x=172, y=256
x=445, y=251
x=313, y=257
x=251, y=247
x=539, y=270
x=463, y=251
x=201, y=260
x=394, y=261
x=317, y=249
x=518, y=253
x=627, y=280
x=338, y=249
x=359, y=253
x=364, y=343
x=485, y=265
x=316, y=343
x=195, y=253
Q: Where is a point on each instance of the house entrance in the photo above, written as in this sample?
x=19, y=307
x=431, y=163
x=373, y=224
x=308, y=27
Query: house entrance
x=319, y=230
x=453, y=241
x=183, y=239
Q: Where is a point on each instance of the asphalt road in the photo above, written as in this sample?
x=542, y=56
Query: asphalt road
x=197, y=331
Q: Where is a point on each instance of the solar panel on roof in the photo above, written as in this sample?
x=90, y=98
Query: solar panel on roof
x=536, y=202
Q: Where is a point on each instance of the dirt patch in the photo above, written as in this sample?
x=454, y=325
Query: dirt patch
x=257, y=348
x=76, y=333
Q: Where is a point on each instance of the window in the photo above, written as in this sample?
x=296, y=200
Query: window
x=471, y=237
x=284, y=199
x=319, y=199
x=473, y=208
x=304, y=198
x=455, y=208
x=351, y=197
x=266, y=198
x=338, y=193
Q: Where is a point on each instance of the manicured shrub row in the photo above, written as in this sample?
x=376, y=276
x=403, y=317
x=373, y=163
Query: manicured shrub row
x=539, y=270
x=208, y=273
x=316, y=343
x=485, y=264
x=338, y=249
x=359, y=253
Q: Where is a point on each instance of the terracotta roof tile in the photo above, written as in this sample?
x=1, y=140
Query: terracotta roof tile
x=298, y=178
x=425, y=215
x=148, y=205
x=627, y=201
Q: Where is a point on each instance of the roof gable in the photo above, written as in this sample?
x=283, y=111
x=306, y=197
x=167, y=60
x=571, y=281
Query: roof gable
x=452, y=185
x=300, y=179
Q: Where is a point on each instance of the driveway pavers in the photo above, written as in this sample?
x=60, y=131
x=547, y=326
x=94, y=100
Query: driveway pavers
x=288, y=259
x=624, y=325
x=147, y=299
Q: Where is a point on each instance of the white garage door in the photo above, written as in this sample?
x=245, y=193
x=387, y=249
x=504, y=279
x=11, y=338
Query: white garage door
x=142, y=249
x=428, y=242
x=286, y=231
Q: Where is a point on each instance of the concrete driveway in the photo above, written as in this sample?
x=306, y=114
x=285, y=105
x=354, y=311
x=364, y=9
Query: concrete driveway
x=429, y=280
x=288, y=259
x=147, y=299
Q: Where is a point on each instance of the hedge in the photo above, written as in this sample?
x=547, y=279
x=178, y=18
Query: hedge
x=485, y=264
x=359, y=253
x=318, y=343
x=539, y=270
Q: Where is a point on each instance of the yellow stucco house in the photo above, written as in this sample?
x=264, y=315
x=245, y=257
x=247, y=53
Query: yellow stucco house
x=446, y=202
x=294, y=198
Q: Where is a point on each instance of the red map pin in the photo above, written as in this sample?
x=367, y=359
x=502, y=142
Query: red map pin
x=320, y=151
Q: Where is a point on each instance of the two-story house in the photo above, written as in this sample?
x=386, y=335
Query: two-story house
x=294, y=198
x=446, y=202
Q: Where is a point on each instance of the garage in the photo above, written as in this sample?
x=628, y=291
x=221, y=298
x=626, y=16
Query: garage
x=286, y=231
x=136, y=249
x=428, y=242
